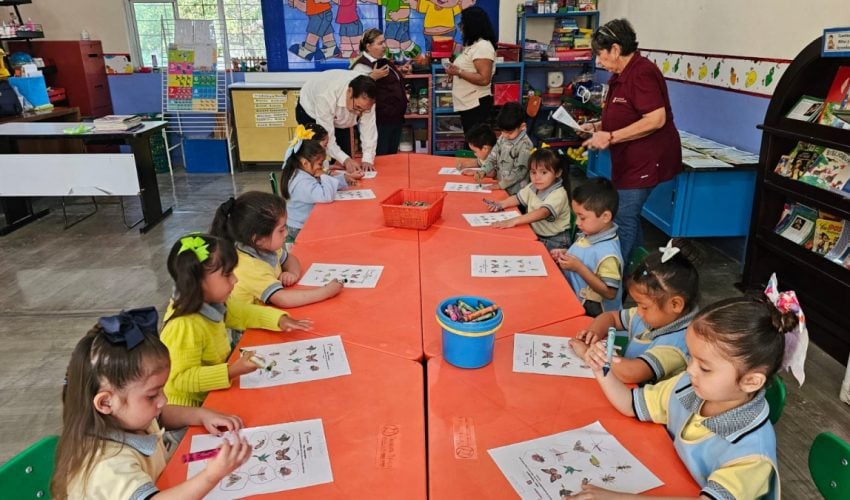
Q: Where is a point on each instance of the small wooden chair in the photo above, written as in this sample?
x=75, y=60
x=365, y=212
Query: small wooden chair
x=775, y=396
x=829, y=465
x=638, y=256
x=27, y=475
x=273, y=182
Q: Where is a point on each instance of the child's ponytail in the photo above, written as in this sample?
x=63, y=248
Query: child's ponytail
x=670, y=271
x=191, y=258
x=252, y=215
x=222, y=214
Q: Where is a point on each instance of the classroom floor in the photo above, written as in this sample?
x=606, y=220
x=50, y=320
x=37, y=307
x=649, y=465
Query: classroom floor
x=56, y=283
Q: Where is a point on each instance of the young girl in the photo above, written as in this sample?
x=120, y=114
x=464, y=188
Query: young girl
x=665, y=288
x=716, y=412
x=111, y=444
x=303, y=182
x=321, y=135
x=546, y=201
x=199, y=313
x=256, y=222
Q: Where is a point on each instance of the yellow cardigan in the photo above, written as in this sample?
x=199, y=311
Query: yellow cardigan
x=198, y=346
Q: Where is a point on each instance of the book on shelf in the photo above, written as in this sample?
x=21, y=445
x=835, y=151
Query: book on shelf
x=838, y=98
x=117, y=122
x=807, y=109
x=797, y=224
x=840, y=252
x=801, y=159
x=831, y=170
x=827, y=233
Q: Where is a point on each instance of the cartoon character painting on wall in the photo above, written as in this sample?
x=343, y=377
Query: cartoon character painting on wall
x=400, y=45
x=350, y=27
x=319, y=28
x=439, y=17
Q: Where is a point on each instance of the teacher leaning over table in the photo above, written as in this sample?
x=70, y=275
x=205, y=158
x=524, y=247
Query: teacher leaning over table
x=637, y=126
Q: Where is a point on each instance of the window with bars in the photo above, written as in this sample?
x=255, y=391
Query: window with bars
x=152, y=22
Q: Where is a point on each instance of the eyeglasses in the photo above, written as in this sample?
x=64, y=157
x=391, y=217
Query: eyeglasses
x=606, y=31
x=359, y=110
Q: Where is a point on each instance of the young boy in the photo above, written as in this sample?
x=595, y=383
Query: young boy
x=508, y=161
x=481, y=140
x=594, y=264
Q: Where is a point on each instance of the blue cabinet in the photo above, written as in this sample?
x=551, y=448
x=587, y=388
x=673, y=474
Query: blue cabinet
x=696, y=203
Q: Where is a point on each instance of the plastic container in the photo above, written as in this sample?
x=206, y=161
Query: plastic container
x=412, y=217
x=206, y=156
x=468, y=345
x=32, y=88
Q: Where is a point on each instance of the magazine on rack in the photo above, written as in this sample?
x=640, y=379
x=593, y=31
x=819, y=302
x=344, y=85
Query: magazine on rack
x=799, y=225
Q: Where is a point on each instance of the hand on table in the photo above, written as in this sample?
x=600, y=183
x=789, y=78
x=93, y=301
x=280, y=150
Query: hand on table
x=241, y=366
x=579, y=347
x=352, y=166
x=493, y=206
x=229, y=458
x=590, y=492
x=288, y=278
x=588, y=336
x=288, y=323
x=214, y=421
x=505, y=224
x=333, y=288
x=368, y=167
x=597, y=355
x=352, y=179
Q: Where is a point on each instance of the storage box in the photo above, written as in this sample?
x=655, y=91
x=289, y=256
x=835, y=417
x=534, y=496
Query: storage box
x=508, y=52
x=206, y=155
x=505, y=92
x=397, y=214
x=449, y=144
x=442, y=46
x=444, y=100
x=448, y=124
x=32, y=88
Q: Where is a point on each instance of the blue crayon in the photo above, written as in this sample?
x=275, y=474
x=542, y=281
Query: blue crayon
x=612, y=334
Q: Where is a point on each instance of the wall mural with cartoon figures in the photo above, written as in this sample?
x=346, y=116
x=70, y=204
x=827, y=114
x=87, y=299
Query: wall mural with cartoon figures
x=314, y=35
x=756, y=76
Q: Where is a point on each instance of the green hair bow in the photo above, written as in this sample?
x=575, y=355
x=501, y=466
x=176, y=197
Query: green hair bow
x=196, y=244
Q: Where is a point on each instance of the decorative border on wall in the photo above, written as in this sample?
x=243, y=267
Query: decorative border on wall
x=748, y=75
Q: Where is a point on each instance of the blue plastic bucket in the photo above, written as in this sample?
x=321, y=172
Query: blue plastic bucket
x=470, y=344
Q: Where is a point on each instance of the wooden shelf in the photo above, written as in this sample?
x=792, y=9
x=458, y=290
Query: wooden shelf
x=415, y=116
x=809, y=261
x=810, y=132
x=821, y=199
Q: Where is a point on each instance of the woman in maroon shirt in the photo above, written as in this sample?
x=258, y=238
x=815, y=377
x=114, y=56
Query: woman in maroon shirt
x=637, y=125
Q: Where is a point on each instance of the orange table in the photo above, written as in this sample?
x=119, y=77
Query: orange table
x=373, y=421
x=526, y=302
x=501, y=407
x=342, y=218
x=386, y=318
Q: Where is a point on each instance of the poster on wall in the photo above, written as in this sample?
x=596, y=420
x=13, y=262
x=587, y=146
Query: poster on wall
x=181, y=64
x=324, y=34
x=836, y=42
x=192, y=78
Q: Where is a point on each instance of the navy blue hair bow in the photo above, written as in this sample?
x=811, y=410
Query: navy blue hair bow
x=129, y=327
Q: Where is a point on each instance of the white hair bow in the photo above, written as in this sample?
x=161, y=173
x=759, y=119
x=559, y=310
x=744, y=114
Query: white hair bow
x=668, y=252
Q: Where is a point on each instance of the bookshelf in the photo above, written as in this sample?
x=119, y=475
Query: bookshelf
x=822, y=286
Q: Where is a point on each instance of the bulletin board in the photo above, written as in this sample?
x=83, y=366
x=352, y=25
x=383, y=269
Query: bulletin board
x=315, y=35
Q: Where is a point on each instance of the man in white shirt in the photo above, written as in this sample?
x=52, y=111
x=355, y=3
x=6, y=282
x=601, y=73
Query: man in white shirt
x=337, y=100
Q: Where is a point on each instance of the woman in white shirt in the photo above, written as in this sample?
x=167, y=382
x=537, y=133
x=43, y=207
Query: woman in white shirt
x=473, y=69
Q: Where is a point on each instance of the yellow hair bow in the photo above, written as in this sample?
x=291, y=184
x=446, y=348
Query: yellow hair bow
x=196, y=245
x=543, y=145
x=301, y=134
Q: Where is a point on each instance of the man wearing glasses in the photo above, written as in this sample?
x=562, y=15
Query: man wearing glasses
x=337, y=100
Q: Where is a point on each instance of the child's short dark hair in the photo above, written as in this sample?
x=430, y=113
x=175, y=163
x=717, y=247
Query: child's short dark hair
x=252, y=215
x=548, y=159
x=319, y=132
x=598, y=195
x=748, y=329
x=677, y=276
x=188, y=272
x=510, y=117
x=481, y=135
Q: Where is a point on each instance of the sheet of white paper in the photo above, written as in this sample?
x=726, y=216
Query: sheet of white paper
x=733, y=155
x=449, y=171
x=355, y=194
x=298, y=361
x=184, y=32
x=507, y=266
x=690, y=153
x=371, y=174
x=465, y=187
x=707, y=162
x=204, y=57
x=285, y=457
x=555, y=466
x=567, y=119
x=486, y=219
x=547, y=355
x=355, y=276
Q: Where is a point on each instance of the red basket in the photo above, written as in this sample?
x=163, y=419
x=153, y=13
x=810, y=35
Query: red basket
x=410, y=217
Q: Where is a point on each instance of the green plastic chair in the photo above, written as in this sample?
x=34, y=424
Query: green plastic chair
x=273, y=181
x=464, y=153
x=638, y=256
x=829, y=465
x=775, y=396
x=27, y=475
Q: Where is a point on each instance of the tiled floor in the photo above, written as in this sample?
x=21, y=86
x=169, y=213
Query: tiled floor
x=56, y=283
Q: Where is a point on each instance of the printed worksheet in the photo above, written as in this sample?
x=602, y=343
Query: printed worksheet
x=299, y=361
x=285, y=457
x=486, y=219
x=352, y=275
x=557, y=466
x=449, y=171
x=355, y=194
x=371, y=174
x=466, y=187
x=547, y=355
x=507, y=266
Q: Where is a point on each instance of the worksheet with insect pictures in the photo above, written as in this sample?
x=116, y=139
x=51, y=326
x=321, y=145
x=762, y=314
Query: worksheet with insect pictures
x=354, y=195
x=466, y=187
x=507, y=266
x=284, y=457
x=352, y=275
x=547, y=355
x=370, y=174
x=449, y=171
x=486, y=219
x=556, y=466
x=298, y=361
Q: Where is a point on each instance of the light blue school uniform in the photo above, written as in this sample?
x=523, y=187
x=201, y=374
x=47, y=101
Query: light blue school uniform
x=305, y=191
x=643, y=339
x=591, y=250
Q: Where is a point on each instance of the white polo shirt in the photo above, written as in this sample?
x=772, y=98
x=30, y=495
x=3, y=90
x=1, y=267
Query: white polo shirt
x=324, y=98
x=465, y=95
